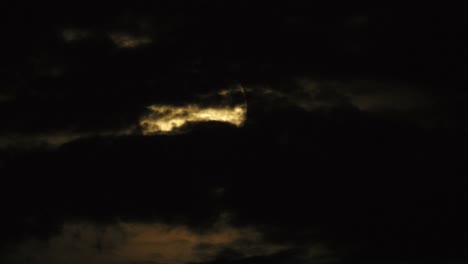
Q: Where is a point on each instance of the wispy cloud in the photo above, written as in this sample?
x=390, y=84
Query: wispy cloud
x=369, y=96
x=73, y=34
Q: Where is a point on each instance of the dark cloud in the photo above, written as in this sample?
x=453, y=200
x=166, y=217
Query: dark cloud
x=409, y=101
x=377, y=200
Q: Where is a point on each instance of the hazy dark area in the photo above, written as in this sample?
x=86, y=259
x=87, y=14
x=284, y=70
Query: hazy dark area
x=352, y=148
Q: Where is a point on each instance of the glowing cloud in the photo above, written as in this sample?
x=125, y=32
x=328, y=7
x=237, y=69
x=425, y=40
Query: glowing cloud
x=230, y=107
x=165, y=118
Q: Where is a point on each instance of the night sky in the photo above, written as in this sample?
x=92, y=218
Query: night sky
x=233, y=133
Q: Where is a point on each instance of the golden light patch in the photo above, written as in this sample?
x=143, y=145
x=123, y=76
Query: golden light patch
x=165, y=118
x=141, y=243
x=128, y=41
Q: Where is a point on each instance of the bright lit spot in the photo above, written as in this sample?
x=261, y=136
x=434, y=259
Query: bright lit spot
x=128, y=41
x=164, y=118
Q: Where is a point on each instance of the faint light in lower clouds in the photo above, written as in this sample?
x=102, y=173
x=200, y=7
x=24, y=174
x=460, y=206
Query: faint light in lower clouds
x=140, y=243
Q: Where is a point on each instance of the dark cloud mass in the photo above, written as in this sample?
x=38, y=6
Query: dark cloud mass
x=234, y=133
